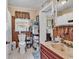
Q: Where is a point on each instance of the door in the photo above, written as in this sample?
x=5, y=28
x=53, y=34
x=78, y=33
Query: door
x=8, y=35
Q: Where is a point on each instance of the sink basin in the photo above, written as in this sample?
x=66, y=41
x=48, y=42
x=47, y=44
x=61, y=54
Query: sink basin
x=63, y=48
x=58, y=47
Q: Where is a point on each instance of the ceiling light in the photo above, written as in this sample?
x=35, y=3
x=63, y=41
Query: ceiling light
x=63, y=2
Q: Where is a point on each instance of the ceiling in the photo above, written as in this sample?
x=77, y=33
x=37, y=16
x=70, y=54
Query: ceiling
x=36, y=4
x=68, y=4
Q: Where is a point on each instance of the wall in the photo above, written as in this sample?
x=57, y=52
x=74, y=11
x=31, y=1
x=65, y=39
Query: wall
x=8, y=27
x=8, y=34
x=65, y=11
x=43, y=24
x=63, y=20
x=32, y=12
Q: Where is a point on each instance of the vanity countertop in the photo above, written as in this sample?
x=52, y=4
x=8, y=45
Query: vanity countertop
x=60, y=49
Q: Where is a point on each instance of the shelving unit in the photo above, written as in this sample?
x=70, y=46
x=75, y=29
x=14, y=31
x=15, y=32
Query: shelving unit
x=35, y=32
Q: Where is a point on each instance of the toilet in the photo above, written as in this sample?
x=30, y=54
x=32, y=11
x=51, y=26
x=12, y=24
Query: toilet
x=22, y=46
x=22, y=43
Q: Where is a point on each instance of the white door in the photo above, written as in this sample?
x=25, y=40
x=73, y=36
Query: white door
x=8, y=35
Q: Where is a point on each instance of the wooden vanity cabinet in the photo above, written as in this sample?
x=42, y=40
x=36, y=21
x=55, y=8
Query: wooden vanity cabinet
x=48, y=54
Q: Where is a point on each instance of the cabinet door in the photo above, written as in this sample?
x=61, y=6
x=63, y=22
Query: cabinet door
x=43, y=56
x=49, y=54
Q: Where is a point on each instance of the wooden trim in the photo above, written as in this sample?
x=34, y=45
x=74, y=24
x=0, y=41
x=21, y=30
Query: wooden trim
x=20, y=14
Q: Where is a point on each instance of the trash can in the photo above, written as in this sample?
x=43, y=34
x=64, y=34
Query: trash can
x=13, y=45
x=36, y=53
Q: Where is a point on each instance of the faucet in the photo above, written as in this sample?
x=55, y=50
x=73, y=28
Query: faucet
x=57, y=39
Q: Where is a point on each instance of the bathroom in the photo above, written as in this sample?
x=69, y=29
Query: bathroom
x=42, y=29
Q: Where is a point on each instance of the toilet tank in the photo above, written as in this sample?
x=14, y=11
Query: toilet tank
x=22, y=37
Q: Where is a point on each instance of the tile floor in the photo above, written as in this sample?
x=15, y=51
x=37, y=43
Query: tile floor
x=16, y=55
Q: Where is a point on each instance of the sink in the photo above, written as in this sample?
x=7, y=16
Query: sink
x=58, y=46
x=63, y=48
